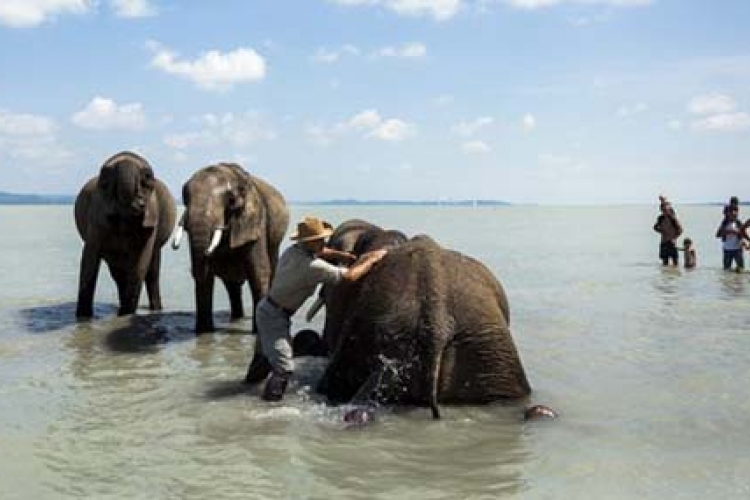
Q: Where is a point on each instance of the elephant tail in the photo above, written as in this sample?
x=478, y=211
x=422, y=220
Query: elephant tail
x=434, y=379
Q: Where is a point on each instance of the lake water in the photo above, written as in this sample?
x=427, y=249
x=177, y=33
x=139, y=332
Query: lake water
x=647, y=366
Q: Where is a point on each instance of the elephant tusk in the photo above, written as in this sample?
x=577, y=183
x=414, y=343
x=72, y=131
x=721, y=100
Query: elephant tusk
x=215, y=240
x=178, y=233
x=177, y=237
x=317, y=305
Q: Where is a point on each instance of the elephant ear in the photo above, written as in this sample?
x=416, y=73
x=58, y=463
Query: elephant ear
x=151, y=212
x=246, y=212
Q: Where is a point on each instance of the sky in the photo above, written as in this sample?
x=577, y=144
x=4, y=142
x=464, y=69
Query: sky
x=526, y=101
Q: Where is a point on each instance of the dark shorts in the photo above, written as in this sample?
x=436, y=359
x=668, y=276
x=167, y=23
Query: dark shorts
x=736, y=256
x=668, y=250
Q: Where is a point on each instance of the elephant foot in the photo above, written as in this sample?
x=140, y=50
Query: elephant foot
x=539, y=412
x=84, y=313
x=204, y=328
x=359, y=417
x=308, y=343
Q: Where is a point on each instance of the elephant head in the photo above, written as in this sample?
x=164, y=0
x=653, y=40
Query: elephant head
x=126, y=184
x=222, y=209
x=357, y=237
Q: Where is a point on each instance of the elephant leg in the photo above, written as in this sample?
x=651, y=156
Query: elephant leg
x=204, y=305
x=234, y=289
x=258, y=273
x=152, y=282
x=90, y=263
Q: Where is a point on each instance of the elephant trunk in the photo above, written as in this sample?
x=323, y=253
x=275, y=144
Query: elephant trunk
x=205, y=237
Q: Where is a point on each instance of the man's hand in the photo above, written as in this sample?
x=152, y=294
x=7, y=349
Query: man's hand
x=364, y=264
x=337, y=256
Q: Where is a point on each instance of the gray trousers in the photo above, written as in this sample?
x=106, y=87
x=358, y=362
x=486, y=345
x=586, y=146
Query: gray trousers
x=274, y=336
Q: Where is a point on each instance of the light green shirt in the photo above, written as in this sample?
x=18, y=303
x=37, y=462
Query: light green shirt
x=297, y=275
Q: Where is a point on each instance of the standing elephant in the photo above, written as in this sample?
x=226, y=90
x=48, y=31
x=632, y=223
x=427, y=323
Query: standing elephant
x=426, y=326
x=235, y=223
x=124, y=216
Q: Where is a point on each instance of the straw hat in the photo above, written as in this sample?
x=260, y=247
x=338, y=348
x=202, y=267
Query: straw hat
x=312, y=228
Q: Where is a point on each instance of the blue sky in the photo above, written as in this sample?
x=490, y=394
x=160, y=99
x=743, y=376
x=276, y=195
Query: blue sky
x=544, y=101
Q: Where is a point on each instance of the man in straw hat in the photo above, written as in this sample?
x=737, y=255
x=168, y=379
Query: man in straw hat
x=301, y=268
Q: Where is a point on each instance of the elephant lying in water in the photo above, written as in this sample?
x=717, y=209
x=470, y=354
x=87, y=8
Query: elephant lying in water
x=124, y=216
x=426, y=326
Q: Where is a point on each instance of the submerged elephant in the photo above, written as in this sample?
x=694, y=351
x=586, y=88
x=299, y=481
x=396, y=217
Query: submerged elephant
x=235, y=223
x=124, y=216
x=426, y=326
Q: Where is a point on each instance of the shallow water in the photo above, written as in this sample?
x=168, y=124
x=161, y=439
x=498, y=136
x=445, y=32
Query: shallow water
x=647, y=366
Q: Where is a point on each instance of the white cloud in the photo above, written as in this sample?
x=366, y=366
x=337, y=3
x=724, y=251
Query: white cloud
x=711, y=104
x=528, y=122
x=325, y=55
x=674, y=125
x=25, y=124
x=626, y=111
x=105, y=114
x=368, y=123
x=26, y=137
x=27, y=13
x=213, y=70
x=439, y=10
x=133, y=8
x=407, y=51
x=392, y=130
x=475, y=147
x=723, y=122
x=369, y=119
x=228, y=128
x=468, y=129
x=538, y=4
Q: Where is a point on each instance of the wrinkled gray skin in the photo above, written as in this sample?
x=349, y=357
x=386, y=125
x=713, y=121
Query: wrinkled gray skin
x=356, y=237
x=124, y=216
x=253, y=217
x=426, y=326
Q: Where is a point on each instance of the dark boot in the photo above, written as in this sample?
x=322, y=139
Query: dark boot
x=276, y=385
x=258, y=370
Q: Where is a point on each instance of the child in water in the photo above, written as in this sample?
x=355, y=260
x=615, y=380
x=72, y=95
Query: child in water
x=690, y=254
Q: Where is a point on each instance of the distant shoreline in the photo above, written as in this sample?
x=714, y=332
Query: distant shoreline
x=38, y=199
x=42, y=199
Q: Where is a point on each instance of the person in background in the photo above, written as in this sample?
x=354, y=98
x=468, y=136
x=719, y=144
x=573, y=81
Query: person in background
x=670, y=229
x=301, y=268
x=690, y=254
x=734, y=204
x=731, y=233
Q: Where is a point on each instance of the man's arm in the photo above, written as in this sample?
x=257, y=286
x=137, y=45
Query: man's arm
x=337, y=256
x=363, y=265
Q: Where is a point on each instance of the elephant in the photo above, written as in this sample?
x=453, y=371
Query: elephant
x=235, y=223
x=426, y=326
x=124, y=216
